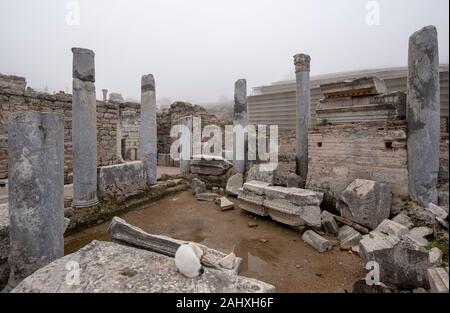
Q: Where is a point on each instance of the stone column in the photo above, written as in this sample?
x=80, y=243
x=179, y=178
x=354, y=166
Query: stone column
x=240, y=118
x=302, y=69
x=147, y=130
x=423, y=115
x=105, y=95
x=84, y=129
x=36, y=192
x=186, y=143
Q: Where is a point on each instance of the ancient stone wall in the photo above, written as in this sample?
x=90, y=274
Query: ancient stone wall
x=19, y=99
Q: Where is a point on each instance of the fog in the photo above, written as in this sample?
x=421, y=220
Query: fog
x=197, y=48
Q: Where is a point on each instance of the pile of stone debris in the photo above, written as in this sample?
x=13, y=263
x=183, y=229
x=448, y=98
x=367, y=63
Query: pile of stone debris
x=404, y=248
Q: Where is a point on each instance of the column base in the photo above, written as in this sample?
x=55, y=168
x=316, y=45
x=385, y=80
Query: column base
x=84, y=203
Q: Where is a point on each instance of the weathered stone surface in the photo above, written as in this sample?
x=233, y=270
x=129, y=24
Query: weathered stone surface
x=198, y=186
x=4, y=244
x=148, y=153
x=310, y=215
x=423, y=115
x=402, y=263
x=365, y=202
x=303, y=119
x=225, y=204
x=421, y=232
x=36, y=192
x=123, y=232
x=84, y=129
x=240, y=118
x=438, y=279
x=234, y=183
x=207, y=196
x=348, y=237
x=121, y=181
x=435, y=255
x=256, y=187
x=295, y=181
x=437, y=211
x=356, y=87
x=316, y=241
x=83, y=64
x=404, y=219
x=255, y=174
x=329, y=223
x=248, y=196
x=254, y=208
x=213, y=167
x=418, y=241
x=361, y=286
x=389, y=227
x=108, y=267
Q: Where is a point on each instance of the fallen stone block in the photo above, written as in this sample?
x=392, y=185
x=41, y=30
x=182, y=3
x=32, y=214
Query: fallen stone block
x=254, y=173
x=404, y=219
x=254, y=208
x=225, y=204
x=309, y=214
x=207, y=196
x=286, y=218
x=249, y=196
x=402, y=263
x=365, y=202
x=316, y=241
x=421, y=232
x=418, y=241
x=437, y=211
x=435, y=255
x=304, y=197
x=123, y=232
x=295, y=181
x=256, y=187
x=112, y=268
x=198, y=187
x=389, y=227
x=438, y=280
x=443, y=223
x=348, y=237
x=234, y=183
x=329, y=223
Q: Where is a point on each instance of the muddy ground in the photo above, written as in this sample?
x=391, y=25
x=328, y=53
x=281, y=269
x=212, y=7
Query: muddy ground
x=272, y=252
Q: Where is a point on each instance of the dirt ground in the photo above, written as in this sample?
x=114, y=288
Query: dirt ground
x=272, y=252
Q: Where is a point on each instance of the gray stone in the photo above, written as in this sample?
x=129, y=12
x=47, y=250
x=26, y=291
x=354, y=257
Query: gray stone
x=438, y=279
x=294, y=215
x=389, y=227
x=207, y=196
x=105, y=95
x=402, y=263
x=443, y=223
x=254, y=208
x=415, y=240
x=240, y=118
x=365, y=202
x=36, y=192
x=107, y=267
x=83, y=64
x=423, y=115
x=404, y=219
x=316, y=241
x=248, y=196
x=198, y=186
x=234, y=183
x=148, y=153
x=435, y=255
x=437, y=211
x=123, y=232
x=84, y=130
x=421, y=232
x=348, y=237
x=225, y=204
x=294, y=180
x=255, y=174
x=302, y=73
x=256, y=187
x=329, y=223
x=214, y=167
x=121, y=181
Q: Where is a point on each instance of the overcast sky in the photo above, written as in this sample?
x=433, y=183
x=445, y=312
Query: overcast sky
x=197, y=48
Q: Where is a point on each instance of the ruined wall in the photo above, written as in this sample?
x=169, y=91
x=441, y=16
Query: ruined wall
x=19, y=99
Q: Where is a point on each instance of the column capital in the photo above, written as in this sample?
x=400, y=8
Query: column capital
x=302, y=62
x=148, y=83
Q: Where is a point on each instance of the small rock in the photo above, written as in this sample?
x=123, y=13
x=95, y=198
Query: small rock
x=389, y=227
x=320, y=275
x=421, y=232
x=207, y=196
x=316, y=241
x=225, y=204
x=438, y=279
x=348, y=237
x=443, y=223
x=198, y=186
x=404, y=219
x=252, y=224
x=297, y=266
x=437, y=211
x=263, y=240
x=329, y=223
x=228, y=261
x=234, y=183
x=435, y=256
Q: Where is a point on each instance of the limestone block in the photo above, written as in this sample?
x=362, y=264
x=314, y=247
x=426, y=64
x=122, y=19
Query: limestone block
x=404, y=219
x=389, y=227
x=256, y=187
x=249, y=196
x=83, y=64
x=329, y=223
x=365, y=202
x=310, y=215
x=198, y=186
x=348, y=237
x=255, y=174
x=437, y=211
x=225, y=204
x=207, y=196
x=234, y=183
x=438, y=279
x=316, y=241
x=254, y=208
x=435, y=255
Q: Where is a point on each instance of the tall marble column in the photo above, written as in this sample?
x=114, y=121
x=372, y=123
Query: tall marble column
x=240, y=118
x=147, y=130
x=423, y=115
x=36, y=192
x=84, y=129
x=302, y=69
x=186, y=145
x=105, y=95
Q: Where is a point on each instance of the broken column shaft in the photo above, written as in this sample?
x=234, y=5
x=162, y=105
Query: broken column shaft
x=84, y=129
x=423, y=115
x=105, y=95
x=240, y=118
x=186, y=145
x=302, y=69
x=147, y=129
x=36, y=192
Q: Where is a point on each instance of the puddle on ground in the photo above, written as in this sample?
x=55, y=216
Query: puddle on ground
x=256, y=256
